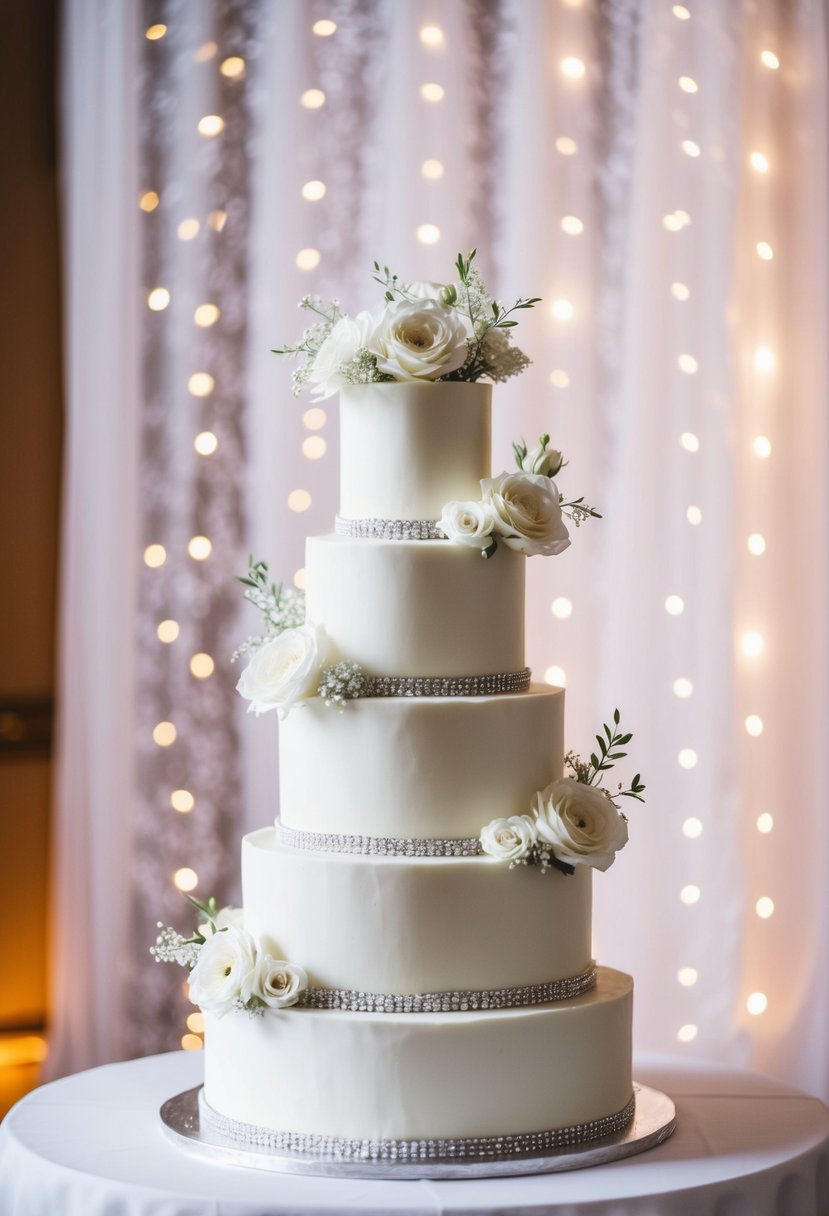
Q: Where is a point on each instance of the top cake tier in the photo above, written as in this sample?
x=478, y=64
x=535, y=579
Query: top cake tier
x=408, y=448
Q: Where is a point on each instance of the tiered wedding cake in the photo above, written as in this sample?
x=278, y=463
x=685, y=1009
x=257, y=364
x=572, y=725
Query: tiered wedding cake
x=429, y=876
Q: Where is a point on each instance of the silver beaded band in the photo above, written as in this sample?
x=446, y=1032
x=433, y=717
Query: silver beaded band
x=446, y=686
x=450, y=1002
x=378, y=846
x=388, y=529
x=526, y=1143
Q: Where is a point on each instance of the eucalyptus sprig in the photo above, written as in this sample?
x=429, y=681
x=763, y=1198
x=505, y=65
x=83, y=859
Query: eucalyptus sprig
x=602, y=761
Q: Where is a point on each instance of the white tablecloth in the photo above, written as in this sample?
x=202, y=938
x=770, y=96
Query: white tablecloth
x=93, y=1145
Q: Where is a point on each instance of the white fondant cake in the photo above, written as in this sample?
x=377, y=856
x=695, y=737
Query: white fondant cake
x=446, y=996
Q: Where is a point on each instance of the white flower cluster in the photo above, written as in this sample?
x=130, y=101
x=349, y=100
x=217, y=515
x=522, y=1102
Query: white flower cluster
x=228, y=970
x=571, y=824
x=521, y=509
x=284, y=670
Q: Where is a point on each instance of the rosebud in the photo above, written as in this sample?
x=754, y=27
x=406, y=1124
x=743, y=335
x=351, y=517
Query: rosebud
x=448, y=296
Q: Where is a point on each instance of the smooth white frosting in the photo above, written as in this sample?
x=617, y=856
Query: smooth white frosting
x=408, y=448
x=409, y=925
x=412, y=1076
x=418, y=767
x=412, y=608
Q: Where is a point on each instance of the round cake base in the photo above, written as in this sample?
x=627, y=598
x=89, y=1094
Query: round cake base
x=653, y=1122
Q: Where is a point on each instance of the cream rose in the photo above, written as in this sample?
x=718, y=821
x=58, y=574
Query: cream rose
x=225, y=917
x=224, y=972
x=509, y=839
x=543, y=460
x=418, y=340
x=284, y=670
x=580, y=823
x=349, y=335
x=527, y=512
x=467, y=523
x=423, y=289
x=277, y=983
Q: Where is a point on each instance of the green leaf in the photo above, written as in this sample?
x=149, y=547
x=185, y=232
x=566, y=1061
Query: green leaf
x=594, y=760
x=616, y=716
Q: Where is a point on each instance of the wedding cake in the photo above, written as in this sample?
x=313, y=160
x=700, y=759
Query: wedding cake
x=411, y=974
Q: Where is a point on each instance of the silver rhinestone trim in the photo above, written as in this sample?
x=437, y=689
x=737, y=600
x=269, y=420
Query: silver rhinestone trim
x=450, y=1002
x=378, y=846
x=388, y=529
x=523, y=1143
x=446, y=686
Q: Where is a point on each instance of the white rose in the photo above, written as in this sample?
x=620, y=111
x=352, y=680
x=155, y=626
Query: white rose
x=543, y=460
x=225, y=917
x=349, y=335
x=277, y=983
x=418, y=340
x=224, y=972
x=467, y=523
x=425, y=290
x=283, y=671
x=580, y=823
x=527, y=512
x=509, y=839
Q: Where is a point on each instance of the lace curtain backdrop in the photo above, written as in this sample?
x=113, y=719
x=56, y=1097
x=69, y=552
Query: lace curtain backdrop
x=658, y=174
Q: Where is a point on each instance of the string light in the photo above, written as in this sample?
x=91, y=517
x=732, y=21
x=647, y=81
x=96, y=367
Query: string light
x=683, y=688
x=690, y=895
x=689, y=441
x=756, y=544
x=206, y=52
x=202, y=666
x=312, y=99
x=680, y=292
x=191, y=1042
x=692, y=828
x=687, y=1033
x=185, y=879
x=313, y=191
x=149, y=200
x=757, y=1003
x=182, y=801
x=428, y=234
x=762, y=447
x=324, y=28
x=764, y=251
x=200, y=384
x=164, y=734
x=232, y=67
x=158, y=299
x=681, y=12
x=195, y=1021
x=765, y=823
x=687, y=976
x=675, y=221
x=308, y=259
x=759, y=162
x=752, y=645
x=573, y=67
x=561, y=607
x=314, y=446
x=556, y=676
x=299, y=500
x=764, y=359
x=694, y=516
x=572, y=225
x=687, y=758
x=754, y=725
x=559, y=378
x=566, y=146
x=199, y=548
x=205, y=443
x=210, y=125
x=562, y=310
x=432, y=170
x=431, y=91
x=431, y=36
x=674, y=605
x=167, y=631
x=299, y=579
x=769, y=60
x=187, y=229
x=155, y=556
x=764, y=907
x=217, y=220
x=206, y=315
x=688, y=84
x=314, y=418
x=690, y=148
x=155, y=32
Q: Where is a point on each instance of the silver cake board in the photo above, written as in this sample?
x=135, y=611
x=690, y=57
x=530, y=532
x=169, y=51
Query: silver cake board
x=653, y=1122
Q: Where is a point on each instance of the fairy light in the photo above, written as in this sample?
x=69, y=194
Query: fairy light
x=687, y=758
x=299, y=579
x=754, y=725
x=155, y=32
x=168, y=631
x=200, y=384
x=428, y=234
x=764, y=251
x=188, y=229
x=764, y=907
x=206, y=52
x=690, y=895
x=764, y=359
x=674, y=605
x=299, y=500
x=680, y=292
x=164, y=734
x=561, y=607
x=182, y=801
x=688, y=84
x=556, y=676
x=314, y=418
x=312, y=99
x=765, y=823
x=191, y=1042
x=210, y=125
x=202, y=666
x=694, y=516
x=313, y=447
x=562, y=310
x=687, y=1033
x=308, y=259
x=572, y=225
x=199, y=548
x=155, y=556
x=431, y=91
x=573, y=67
x=756, y=544
x=759, y=162
x=313, y=191
x=324, y=28
x=690, y=148
x=149, y=200
x=195, y=1021
x=559, y=378
x=431, y=36
x=769, y=60
x=158, y=299
x=681, y=12
x=566, y=146
x=752, y=644
x=185, y=879
x=762, y=447
x=217, y=220
x=675, y=221
x=232, y=67
x=206, y=315
x=205, y=443
x=692, y=828
x=687, y=976
x=432, y=170
x=689, y=441
x=757, y=1003
x=682, y=687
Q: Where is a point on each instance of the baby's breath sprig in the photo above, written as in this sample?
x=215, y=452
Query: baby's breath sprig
x=341, y=683
x=282, y=607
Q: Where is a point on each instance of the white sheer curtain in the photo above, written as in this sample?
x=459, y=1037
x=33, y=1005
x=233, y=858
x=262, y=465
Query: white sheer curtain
x=658, y=174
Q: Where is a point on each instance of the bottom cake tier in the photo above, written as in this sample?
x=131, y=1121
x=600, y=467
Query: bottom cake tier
x=539, y=1076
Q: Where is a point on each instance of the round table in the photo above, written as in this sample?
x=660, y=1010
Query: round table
x=93, y=1145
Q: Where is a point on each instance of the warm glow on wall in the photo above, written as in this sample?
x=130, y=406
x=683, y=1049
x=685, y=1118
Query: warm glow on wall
x=314, y=418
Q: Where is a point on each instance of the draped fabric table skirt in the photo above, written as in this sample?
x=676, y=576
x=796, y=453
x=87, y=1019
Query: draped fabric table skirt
x=93, y=1145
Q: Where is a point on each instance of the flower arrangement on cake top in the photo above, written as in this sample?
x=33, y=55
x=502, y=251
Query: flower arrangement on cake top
x=423, y=331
